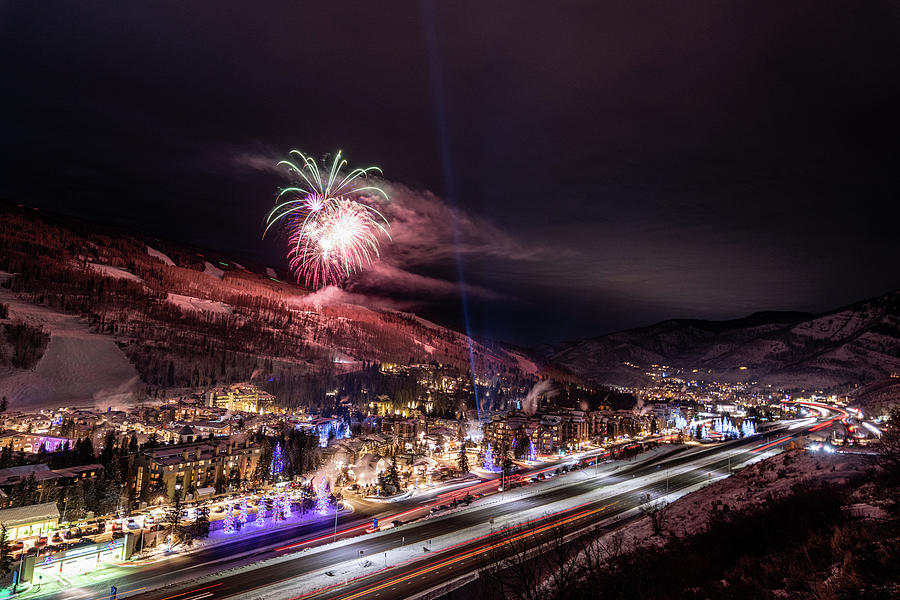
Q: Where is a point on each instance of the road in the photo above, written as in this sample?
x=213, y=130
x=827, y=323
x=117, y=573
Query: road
x=579, y=499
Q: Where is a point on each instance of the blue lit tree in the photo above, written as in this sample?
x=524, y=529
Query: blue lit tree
x=277, y=465
x=489, y=463
x=532, y=451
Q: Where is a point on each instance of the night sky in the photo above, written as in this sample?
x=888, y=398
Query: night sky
x=607, y=164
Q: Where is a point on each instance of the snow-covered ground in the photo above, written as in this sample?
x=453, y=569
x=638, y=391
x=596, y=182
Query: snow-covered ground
x=110, y=271
x=191, y=303
x=747, y=488
x=78, y=367
x=212, y=270
x=157, y=254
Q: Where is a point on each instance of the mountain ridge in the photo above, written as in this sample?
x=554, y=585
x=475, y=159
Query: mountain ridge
x=187, y=317
x=849, y=346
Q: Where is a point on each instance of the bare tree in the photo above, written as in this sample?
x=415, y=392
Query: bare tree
x=657, y=511
x=889, y=444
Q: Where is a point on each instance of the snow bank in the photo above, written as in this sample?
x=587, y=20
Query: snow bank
x=160, y=256
x=749, y=488
x=78, y=368
x=116, y=272
x=212, y=270
x=191, y=303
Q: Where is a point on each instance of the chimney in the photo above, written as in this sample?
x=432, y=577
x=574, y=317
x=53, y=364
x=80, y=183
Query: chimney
x=184, y=455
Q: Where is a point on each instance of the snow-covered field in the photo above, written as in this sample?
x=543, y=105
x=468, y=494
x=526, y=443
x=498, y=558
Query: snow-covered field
x=191, y=303
x=212, y=270
x=750, y=487
x=110, y=271
x=78, y=367
x=157, y=254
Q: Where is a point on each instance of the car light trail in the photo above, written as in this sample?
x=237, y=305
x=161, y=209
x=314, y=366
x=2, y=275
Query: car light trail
x=775, y=443
x=469, y=541
x=471, y=553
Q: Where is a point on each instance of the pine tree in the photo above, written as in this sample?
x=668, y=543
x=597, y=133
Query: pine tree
x=463, y=460
x=174, y=513
x=6, y=558
x=201, y=523
x=393, y=474
x=6, y=456
x=74, y=505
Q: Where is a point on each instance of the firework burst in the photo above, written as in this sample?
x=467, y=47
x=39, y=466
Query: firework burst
x=332, y=231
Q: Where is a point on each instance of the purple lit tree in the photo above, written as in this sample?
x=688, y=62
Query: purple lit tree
x=322, y=497
x=242, y=516
x=286, y=503
x=229, y=519
x=261, y=512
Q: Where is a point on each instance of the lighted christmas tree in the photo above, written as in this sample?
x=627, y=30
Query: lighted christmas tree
x=286, y=503
x=747, y=428
x=322, y=497
x=242, y=517
x=277, y=512
x=277, y=464
x=229, y=519
x=261, y=512
x=532, y=452
x=488, y=464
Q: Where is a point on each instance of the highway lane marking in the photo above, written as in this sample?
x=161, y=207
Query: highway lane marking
x=206, y=587
x=106, y=597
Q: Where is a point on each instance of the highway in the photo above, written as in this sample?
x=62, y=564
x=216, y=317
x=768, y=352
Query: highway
x=303, y=557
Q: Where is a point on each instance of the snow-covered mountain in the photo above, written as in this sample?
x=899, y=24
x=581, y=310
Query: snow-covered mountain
x=839, y=349
x=189, y=317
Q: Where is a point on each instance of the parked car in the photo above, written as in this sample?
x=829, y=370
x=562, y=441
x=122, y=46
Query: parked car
x=41, y=542
x=117, y=526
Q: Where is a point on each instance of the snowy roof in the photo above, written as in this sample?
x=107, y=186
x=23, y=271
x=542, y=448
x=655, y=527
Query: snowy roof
x=13, y=475
x=11, y=517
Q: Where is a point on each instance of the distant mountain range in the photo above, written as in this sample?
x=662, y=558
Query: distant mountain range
x=838, y=350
